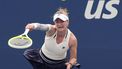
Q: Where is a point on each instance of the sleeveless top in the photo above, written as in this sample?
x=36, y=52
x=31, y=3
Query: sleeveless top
x=55, y=51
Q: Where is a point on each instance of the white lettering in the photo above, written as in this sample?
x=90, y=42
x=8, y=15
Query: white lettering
x=111, y=9
x=98, y=13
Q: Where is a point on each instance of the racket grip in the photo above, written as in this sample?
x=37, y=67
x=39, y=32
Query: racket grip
x=26, y=31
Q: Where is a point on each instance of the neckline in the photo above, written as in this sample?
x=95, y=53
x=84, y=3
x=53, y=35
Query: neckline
x=63, y=37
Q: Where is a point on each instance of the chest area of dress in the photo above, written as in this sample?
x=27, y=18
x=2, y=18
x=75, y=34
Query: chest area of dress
x=61, y=44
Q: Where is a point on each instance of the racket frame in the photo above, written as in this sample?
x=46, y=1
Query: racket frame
x=24, y=35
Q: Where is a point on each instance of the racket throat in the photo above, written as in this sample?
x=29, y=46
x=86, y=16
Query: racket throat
x=24, y=35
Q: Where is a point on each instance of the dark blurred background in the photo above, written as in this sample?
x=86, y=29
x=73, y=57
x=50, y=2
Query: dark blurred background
x=99, y=40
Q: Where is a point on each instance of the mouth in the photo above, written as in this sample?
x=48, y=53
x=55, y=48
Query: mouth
x=60, y=27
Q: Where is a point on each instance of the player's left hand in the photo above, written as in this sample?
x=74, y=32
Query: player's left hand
x=69, y=66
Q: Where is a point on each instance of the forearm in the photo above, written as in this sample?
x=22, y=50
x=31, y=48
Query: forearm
x=39, y=26
x=73, y=61
x=73, y=55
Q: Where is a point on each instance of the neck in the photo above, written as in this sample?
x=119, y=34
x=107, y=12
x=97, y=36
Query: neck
x=61, y=33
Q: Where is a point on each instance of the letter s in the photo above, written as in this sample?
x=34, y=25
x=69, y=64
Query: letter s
x=111, y=9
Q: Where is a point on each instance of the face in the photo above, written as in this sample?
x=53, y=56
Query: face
x=61, y=25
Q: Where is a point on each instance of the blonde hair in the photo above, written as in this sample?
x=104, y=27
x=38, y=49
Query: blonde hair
x=62, y=11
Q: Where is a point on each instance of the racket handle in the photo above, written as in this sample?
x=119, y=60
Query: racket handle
x=26, y=31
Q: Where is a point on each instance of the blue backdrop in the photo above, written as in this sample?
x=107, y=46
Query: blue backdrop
x=99, y=40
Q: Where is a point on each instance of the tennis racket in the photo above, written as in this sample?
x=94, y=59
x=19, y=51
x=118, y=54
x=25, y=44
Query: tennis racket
x=21, y=41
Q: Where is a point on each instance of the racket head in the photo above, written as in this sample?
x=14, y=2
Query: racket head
x=20, y=42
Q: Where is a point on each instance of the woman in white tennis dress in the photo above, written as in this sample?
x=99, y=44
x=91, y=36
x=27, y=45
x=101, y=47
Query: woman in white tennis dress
x=58, y=40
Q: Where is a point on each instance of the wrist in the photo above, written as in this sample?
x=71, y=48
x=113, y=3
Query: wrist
x=70, y=64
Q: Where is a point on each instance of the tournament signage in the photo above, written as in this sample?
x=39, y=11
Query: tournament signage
x=109, y=6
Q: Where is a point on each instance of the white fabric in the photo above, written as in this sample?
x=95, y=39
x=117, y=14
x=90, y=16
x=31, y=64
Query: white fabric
x=53, y=50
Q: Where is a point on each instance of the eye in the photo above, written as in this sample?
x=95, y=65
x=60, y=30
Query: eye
x=59, y=21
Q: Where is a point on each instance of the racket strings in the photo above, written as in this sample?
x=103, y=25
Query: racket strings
x=20, y=41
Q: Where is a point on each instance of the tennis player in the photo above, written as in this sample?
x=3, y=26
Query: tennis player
x=58, y=40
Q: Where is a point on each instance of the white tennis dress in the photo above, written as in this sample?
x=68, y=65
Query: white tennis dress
x=53, y=50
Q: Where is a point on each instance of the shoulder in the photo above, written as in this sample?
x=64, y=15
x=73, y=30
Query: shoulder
x=51, y=31
x=73, y=37
x=72, y=40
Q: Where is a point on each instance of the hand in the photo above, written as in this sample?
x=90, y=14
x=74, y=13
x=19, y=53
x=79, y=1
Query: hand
x=69, y=66
x=29, y=26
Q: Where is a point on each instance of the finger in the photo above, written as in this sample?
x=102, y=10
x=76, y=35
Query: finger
x=66, y=63
x=29, y=26
x=68, y=67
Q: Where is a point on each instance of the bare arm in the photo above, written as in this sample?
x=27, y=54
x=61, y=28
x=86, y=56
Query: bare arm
x=38, y=26
x=50, y=29
x=73, y=52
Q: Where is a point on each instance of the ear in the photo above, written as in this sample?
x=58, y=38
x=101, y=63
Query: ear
x=54, y=22
x=67, y=23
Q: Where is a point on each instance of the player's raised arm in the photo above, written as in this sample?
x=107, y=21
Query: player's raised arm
x=48, y=28
x=38, y=26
